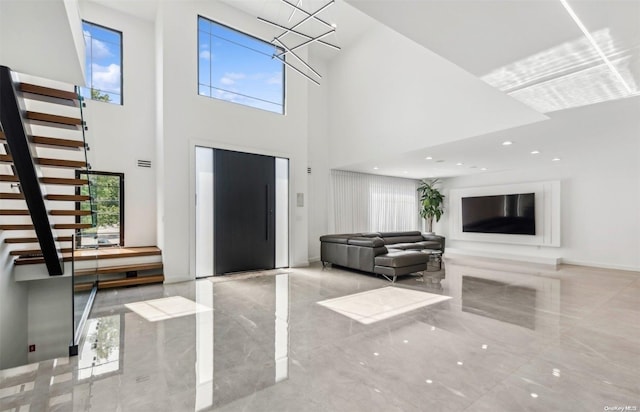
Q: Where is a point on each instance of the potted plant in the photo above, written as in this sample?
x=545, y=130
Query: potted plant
x=431, y=202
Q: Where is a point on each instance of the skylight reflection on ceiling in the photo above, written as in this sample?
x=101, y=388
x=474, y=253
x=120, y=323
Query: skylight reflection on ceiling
x=571, y=74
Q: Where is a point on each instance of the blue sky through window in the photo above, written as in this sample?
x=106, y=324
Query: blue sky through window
x=103, y=63
x=238, y=68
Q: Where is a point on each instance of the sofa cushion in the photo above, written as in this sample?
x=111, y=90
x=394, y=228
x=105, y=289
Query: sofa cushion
x=365, y=241
x=429, y=244
x=401, y=258
x=402, y=239
x=407, y=246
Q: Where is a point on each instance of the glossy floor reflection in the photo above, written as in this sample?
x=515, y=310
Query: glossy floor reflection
x=511, y=338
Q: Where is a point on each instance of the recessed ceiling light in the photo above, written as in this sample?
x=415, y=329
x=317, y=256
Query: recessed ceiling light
x=405, y=172
x=507, y=143
x=555, y=159
x=334, y=25
x=428, y=158
x=375, y=168
x=484, y=168
x=459, y=164
x=535, y=151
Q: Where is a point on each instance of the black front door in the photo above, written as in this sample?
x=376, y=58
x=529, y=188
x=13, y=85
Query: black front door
x=244, y=193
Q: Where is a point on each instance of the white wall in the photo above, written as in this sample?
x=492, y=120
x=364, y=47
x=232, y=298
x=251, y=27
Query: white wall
x=600, y=193
x=189, y=119
x=120, y=135
x=42, y=38
x=318, y=180
x=390, y=95
x=50, y=323
x=13, y=314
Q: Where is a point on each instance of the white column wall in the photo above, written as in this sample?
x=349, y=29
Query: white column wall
x=119, y=136
x=189, y=119
x=318, y=179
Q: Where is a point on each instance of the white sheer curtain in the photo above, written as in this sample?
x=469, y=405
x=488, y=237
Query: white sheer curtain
x=371, y=203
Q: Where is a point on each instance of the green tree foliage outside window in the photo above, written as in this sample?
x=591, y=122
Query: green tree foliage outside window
x=105, y=192
x=102, y=97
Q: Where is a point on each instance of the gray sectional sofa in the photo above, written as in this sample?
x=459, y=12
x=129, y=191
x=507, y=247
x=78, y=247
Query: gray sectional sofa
x=389, y=254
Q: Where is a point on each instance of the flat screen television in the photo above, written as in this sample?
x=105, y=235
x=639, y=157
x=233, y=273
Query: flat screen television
x=512, y=214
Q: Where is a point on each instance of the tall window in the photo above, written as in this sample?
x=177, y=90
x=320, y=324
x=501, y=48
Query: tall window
x=371, y=203
x=239, y=68
x=103, y=63
x=107, y=200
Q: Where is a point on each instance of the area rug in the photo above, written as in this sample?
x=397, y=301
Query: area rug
x=166, y=308
x=378, y=304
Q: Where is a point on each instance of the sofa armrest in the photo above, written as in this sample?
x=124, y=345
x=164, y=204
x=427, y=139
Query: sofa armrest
x=334, y=239
x=437, y=238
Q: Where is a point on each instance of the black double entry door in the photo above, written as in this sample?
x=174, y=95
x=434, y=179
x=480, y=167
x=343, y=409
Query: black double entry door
x=244, y=218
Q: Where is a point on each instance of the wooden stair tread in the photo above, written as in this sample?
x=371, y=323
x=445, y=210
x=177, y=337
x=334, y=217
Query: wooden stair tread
x=53, y=141
x=11, y=196
x=119, y=269
x=54, y=118
x=8, y=178
x=48, y=91
x=72, y=225
x=32, y=252
x=34, y=239
x=68, y=198
x=140, y=280
x=17, y=227
x=5, y=158
x=70, y=212
x=76, y=164
x=63, y=181
x=99, y=254
x=14, y=212
x=83, y=287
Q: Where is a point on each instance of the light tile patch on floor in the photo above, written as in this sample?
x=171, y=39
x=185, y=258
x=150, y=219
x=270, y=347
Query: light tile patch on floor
x=378, y=304
x=166, y=308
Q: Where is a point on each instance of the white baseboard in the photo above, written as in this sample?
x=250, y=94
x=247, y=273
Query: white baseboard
x=600, y=265
x=544, y=260
x=314, y=259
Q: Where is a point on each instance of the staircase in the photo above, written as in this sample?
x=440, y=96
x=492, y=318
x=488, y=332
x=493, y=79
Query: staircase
x=42, y=146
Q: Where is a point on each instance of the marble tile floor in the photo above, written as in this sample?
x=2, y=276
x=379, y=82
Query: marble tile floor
x=511, y=337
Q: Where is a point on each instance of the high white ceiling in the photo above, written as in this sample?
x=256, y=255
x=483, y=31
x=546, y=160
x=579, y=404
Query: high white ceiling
x=484, y=35
x=508, y=43
x=540, y=42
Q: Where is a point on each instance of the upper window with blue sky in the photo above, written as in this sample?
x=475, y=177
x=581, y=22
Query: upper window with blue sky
x=239, y=68
x=103, y=63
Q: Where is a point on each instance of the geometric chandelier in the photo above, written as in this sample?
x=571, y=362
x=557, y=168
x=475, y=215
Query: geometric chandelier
x=302, y=29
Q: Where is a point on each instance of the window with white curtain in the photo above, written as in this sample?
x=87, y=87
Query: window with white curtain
x=371, y=203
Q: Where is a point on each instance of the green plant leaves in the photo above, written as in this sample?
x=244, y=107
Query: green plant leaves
x=431, y=199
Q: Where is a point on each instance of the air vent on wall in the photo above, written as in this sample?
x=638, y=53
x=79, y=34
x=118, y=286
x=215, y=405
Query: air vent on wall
x=144, y=163
x=308, y=170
